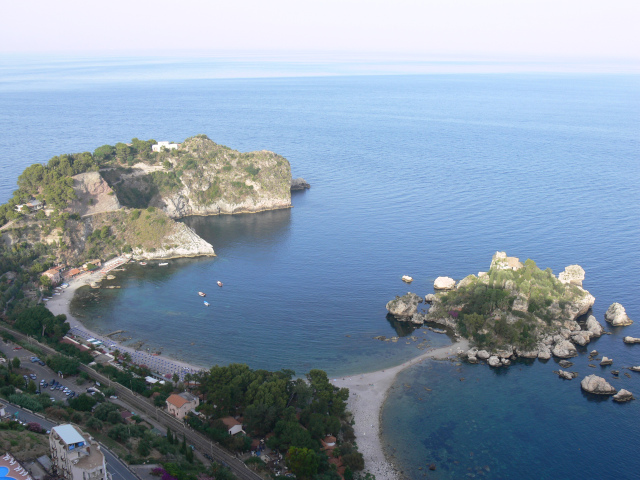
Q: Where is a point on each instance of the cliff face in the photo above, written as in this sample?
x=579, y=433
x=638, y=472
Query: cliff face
x=183, y=242
x=94, y=195
x=204, y=178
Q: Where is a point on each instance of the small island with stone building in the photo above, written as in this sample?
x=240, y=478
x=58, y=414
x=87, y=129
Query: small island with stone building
x=513, y=310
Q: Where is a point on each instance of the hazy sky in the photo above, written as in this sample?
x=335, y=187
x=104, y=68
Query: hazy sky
x=470, y=28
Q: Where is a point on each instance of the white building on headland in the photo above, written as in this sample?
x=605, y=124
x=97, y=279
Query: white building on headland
x=166, y=145
x=76, y=455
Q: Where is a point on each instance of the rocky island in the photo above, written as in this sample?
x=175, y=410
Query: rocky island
x=513, y=310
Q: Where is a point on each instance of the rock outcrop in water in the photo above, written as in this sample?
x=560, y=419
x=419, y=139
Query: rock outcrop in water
x=444, y=283
x=404, y=307
x=617, y=316
x=299, y=184
x=623, y=396
x=596, y=385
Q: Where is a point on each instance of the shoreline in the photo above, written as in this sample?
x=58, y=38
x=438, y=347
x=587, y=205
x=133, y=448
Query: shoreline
x=60, y=304
x=367, y=391
x=367, y=395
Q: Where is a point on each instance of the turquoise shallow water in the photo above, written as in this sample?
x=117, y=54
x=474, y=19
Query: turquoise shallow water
x=418, y=175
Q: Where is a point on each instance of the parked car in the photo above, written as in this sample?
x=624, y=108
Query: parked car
x=52, y=399
x=33, y=376
x=41, y=362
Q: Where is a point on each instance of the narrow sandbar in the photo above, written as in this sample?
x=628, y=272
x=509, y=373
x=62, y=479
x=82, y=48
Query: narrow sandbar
x=367, y=394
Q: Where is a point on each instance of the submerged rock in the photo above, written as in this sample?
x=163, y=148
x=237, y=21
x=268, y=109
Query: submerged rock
x=596, y=385
x=565, y=363
x=617, y=316
x=623, y=396
x=566, y=375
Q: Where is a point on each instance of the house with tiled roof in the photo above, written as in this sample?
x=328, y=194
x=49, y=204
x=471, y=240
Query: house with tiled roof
x=179, y=405
x=233, y=425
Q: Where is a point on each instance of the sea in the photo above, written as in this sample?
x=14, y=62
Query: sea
x=424, y=175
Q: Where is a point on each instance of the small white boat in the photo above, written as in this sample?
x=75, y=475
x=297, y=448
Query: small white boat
x=407, y=278
x=143, y=263
x=219, y=283
x=202, y=294
x=206, y=304
x=163, y=264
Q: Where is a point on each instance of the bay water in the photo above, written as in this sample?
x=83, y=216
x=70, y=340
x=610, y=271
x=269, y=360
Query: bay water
x=424, y=175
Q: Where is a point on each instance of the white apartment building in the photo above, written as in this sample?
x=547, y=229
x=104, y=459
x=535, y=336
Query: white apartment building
x=76, y=455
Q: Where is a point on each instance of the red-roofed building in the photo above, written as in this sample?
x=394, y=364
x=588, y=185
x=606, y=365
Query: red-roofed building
x=180, y=405
x=72, y=273
x=54, y=274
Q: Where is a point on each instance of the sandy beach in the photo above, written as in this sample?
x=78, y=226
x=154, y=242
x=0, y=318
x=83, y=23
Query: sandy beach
x=59, y=304
x=367, y=394
x=368, y=391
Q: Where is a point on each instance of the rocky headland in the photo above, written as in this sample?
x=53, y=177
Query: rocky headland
x=125, y=199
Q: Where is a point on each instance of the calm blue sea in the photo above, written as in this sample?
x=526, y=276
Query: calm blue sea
x=424, y=175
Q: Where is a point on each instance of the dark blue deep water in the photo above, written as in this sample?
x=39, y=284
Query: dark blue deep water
x=417, y=175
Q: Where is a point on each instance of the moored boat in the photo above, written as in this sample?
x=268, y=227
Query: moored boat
x=219, y=283
x=202, y=294
x=143, y=263
x=164, y=264
x=206, y=304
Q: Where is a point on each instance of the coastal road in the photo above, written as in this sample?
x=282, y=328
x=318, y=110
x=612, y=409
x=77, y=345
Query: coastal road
x=115, y=466
x=142, y=404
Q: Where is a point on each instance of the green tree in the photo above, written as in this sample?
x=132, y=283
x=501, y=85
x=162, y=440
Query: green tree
x=94, y=424
x=31, y=388
x=15, y=362
x=83, y=403
x=303, y=462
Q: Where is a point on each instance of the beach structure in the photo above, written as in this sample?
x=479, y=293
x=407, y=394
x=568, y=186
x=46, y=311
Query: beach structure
x=54, y=274
x=72, y=273
x=179, y=405
x=2, y=412
x=233, y=426
x=160, y=145
x=75, y=455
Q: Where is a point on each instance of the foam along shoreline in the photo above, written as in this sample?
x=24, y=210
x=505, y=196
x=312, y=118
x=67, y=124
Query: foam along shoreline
x=367, y=394
x=59, y=304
